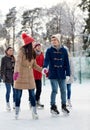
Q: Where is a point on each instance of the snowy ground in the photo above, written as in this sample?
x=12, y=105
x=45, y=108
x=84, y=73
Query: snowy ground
x=79, y=118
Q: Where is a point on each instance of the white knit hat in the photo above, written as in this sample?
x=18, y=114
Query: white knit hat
x=57, y=36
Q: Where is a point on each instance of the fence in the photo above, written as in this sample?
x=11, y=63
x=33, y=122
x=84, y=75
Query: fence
x=81, y=67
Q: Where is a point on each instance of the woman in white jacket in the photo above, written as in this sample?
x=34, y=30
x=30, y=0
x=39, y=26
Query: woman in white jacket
x=71, y=79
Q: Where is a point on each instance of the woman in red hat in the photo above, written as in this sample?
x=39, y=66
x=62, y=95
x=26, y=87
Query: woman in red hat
x=23, y=74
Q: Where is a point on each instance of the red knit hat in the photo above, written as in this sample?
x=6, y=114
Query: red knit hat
x=27, y=39
x=37, y=44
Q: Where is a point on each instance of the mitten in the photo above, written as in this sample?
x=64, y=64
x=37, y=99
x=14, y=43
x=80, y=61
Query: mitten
x=67, y=78
x=47, y=74
x=44, y=71
x=15, y=75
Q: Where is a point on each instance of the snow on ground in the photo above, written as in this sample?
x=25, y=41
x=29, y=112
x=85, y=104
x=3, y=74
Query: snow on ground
x=79, y=118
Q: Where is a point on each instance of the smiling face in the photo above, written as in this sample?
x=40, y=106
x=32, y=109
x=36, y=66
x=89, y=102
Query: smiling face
x=38, y=48
x=55, y=42
x=10, y=52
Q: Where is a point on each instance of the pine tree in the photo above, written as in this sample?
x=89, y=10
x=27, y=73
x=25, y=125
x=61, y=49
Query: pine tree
x=85, y=6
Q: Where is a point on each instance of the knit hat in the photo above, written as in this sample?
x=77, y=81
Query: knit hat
x=27, y=39
x=57, y=36
x=37, y=44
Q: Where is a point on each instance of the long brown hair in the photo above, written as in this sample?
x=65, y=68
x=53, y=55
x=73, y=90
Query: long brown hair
x=29, y=52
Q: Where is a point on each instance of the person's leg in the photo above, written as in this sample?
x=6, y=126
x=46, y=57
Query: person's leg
x=38, y=89
x=68, y=91
x=18, y=95
x=54, y=86
x=8, y=90
x=13, y=89
x=69, y=95
x=38, y=93
x=0, y=78
x=32, y=97
x=62, y=86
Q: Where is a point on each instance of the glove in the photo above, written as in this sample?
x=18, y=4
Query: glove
x=67, y=78
x=3, y=78
x=44, y=71
x=47, y=74
x=15, y=75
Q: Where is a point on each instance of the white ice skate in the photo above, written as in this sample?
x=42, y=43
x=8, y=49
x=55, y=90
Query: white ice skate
x=17, y=112
x=8, y=107
x=34, y=113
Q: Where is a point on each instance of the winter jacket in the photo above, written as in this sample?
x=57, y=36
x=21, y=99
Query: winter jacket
x=40, y=62
x=25, y=69
x=71, y=80
x=7, y=68
x=58, y=63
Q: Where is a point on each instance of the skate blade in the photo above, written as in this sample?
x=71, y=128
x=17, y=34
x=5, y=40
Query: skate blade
x=65, y=113
x=40, y=108
x=69, y=106
x=35, y=117
x=8, y=110
x=54, y=114
x=16, y=117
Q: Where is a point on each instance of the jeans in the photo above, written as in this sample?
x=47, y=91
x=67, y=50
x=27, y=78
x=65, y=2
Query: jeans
x=68, y=91
x=38, y=89
x=19, y=95
x=62, y=86
x=8, y=91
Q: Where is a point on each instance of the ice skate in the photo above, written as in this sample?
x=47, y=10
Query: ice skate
x=13, y=105
x=17, y=112
x=54, y=110
x=69, y=103
x=34, y=113
x=30, y=106
x=8, y=107
x=39, y=105
x=65, y=110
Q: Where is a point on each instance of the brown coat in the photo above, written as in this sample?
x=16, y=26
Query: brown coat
x=25, y=69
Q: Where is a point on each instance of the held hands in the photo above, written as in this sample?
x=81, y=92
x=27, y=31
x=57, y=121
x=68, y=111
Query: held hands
x=15, y=75
x=44, y=71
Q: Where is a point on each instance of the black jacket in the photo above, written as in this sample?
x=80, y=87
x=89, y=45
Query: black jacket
x=7, y=69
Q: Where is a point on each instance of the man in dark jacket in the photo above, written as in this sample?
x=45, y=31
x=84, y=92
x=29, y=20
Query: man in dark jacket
x=7, y=70
x=57, y=62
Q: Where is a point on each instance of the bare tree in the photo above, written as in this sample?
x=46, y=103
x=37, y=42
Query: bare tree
x=10, y=22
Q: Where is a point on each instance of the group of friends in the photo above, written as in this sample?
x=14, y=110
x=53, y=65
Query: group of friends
x=26, y=70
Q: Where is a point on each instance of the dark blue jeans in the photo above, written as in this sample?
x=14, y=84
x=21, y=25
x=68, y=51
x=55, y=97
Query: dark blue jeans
x=68, y=91
x=18, y=93
x=8, y=91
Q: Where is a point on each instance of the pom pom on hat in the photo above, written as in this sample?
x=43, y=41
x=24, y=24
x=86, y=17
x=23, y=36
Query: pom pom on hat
x=27, y=39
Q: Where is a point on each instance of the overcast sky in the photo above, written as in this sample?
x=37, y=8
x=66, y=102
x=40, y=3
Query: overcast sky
x=5, y=5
